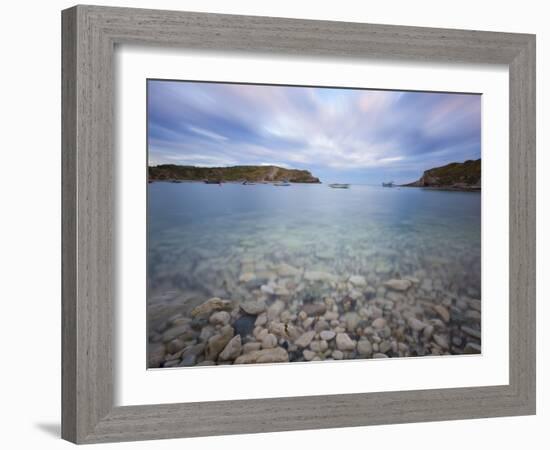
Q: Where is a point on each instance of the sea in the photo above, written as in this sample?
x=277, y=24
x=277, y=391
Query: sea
x=202, y=239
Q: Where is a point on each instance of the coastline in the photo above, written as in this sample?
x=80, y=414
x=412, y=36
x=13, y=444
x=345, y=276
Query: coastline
x=250, y=174
x=251, y=183
x=463, y=177
x=430, y=188
x=446, y=188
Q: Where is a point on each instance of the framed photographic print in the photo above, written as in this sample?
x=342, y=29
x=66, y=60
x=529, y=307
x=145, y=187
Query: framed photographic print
x=268, y=222
x=322, y=270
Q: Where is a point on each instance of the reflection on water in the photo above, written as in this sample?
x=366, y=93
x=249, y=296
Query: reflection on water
x=388, y=271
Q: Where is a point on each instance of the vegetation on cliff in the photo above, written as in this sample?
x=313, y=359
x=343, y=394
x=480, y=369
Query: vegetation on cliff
x=460, y=176
x=168, y=172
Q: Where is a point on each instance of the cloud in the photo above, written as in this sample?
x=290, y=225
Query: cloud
x=340, y=132
x=206, y=133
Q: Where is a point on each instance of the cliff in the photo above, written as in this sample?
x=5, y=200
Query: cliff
x=456, y=176
x=235, y=173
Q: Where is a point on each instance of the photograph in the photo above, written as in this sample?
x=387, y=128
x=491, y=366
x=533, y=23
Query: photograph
x=311, y=223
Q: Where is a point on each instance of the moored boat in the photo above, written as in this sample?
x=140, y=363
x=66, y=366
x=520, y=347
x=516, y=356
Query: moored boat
x=213, y=181
x=388, y=184
x=339, y=186
x=281, y=183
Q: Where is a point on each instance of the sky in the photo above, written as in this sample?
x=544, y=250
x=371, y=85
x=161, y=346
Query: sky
x=339, y=135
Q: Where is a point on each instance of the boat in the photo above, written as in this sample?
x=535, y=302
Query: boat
x=248, y=183
x=213, y=181
x=175, y=181
x=339, y=186
x=388, y=184
x=282, y=183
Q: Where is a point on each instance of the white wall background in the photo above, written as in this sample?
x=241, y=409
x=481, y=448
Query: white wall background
x=31, y=208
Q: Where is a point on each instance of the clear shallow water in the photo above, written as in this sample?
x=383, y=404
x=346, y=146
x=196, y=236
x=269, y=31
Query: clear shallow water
x=202, y=238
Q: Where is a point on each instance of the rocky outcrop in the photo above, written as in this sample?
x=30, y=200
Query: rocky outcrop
x=173, y=172
x=464, y=176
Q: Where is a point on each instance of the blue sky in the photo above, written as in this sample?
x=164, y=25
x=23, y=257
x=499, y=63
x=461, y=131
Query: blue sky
x=340, y=135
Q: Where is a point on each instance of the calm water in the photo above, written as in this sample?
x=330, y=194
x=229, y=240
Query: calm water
x=201, y=238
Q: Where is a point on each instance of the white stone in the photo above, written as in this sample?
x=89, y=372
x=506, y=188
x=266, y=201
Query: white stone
x=311, y=275
x=415, y=324
x=318, y=346
x=232, y=349
x=441, y=341
x=269, y=341
x=261, y=320
x=379, y=323
x=271, y=355
x=246, y=277
x=253, y=307
x=344, y=342
x=275, y=310
x=220, y=318
x=286, y=270
x=305, y=339
x=327, y=335
x=358, y=280
x=442, y=312
x=398, y=285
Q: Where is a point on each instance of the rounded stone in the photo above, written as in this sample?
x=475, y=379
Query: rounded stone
x=327, y=335
x=364, y=348
x=220, y=318
x=344, y=342
x=232, y=349
x=269, y=341
x=305, y=339
x=379, y=323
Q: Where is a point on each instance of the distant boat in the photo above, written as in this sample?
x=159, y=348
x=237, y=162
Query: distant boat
x=248, y=183
x=175, y=181
x=282, y=183
x=388, y=184
x=339, y=186
x=213, y=181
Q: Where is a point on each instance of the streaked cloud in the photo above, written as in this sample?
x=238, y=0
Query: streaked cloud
x=206, y=133
x=351, y=135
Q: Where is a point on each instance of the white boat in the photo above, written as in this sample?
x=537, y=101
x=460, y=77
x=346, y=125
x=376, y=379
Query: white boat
x=388, y=184
x=339, y=185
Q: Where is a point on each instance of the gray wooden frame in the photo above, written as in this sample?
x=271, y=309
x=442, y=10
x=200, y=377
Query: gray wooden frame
x=89, y=36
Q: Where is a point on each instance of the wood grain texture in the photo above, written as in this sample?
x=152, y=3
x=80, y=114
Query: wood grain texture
x=68, y=226
x=89, y=36
x=523, y=224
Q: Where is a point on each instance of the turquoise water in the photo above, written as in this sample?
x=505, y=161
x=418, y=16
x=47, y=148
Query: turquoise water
x=201, y=237
x=341, y=230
